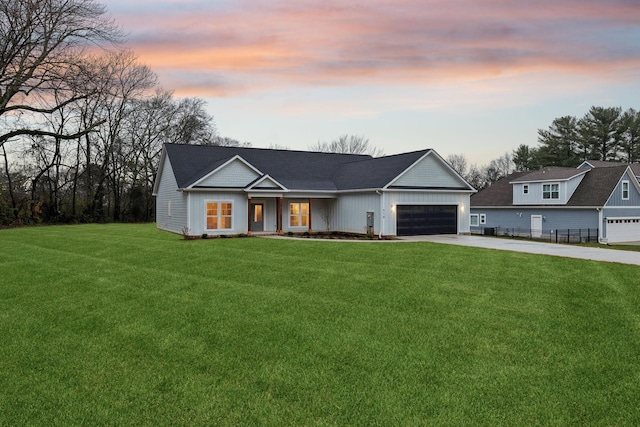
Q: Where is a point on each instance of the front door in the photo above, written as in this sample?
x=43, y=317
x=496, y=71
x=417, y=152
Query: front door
x=257, y=217
x=536, y=226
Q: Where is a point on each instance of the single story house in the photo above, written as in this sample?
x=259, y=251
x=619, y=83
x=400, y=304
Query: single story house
x=232, y=190
x=601, y=196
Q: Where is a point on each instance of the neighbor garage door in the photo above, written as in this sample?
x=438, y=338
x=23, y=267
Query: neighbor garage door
x=623, y=230
x=420, y=219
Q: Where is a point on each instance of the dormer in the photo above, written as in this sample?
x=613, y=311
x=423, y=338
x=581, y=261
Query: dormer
x=549, y=186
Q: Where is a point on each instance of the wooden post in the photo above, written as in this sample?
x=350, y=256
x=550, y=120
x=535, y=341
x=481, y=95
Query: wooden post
x=279, y=215
x=310, y=230
x=249, y=215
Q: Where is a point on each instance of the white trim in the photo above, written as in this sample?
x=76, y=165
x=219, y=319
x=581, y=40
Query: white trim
x=219, y=202
x=525, y=189
x=477, y=216
x=483, y=219
x=262, y=179
x=622, y=189
x=156, y=183
x=299, y=215
x=551, y=184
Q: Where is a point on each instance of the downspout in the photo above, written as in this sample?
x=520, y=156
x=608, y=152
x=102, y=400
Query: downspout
x=601, y=226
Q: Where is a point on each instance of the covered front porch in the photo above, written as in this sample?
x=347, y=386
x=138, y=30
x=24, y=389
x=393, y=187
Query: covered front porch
x=281, y=214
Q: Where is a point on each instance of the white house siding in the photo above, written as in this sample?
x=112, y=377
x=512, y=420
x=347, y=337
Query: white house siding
x=234, y=174
x=520, y=217
x=197, y=212
x=318, y=211
x=174, y=217
x=428, y=172
x=353, y=208
x=395, y=198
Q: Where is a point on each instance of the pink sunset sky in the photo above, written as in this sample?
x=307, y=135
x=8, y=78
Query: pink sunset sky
x=460, y=76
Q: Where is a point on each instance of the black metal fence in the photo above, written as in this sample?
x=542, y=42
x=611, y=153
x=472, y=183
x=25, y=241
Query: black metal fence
x=559, y=235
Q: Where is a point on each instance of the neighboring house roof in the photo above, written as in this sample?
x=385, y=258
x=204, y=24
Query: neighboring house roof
x=596, y=186
x=594, y=189
x=296, y=170
x=551, y=173
x=599, y=164
x=500, y=193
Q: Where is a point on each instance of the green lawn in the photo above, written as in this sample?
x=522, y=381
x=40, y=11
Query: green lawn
x=127, y=325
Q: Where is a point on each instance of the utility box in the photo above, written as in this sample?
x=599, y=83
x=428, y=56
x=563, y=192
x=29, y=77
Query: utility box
x=370, y=223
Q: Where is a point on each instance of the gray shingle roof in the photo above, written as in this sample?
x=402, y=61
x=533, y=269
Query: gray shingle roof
x=550, y=173
x=500, y=193
x=594, y=189
x=296, y=170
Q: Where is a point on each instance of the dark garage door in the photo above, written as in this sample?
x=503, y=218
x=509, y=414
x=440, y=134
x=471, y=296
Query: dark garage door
x=419, y=219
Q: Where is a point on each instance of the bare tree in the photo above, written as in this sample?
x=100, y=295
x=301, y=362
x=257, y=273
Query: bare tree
x=459, y=163
x=40, y=45
x=348, y=144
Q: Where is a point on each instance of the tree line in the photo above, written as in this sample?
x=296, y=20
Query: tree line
x=82, y=122
x=603, y=134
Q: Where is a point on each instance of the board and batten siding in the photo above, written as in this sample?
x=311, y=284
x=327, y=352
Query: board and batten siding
x=352, y=211
x=234, y=174
x=171, y=204
x=616, y=196
x=428, y=172
x=395, y=198
x=197, y=212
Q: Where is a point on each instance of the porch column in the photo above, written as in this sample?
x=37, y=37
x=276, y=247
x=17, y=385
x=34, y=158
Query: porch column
x=248, y=214
x=279, y=215
x=310, y=230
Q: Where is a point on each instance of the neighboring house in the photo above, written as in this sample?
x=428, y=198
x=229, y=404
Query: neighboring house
x=230, y=190
x=602, y=196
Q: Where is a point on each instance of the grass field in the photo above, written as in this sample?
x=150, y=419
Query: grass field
x=127, y=325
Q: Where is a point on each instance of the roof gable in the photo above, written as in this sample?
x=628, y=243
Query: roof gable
x=266, y=183
x=235, y=172
x=430, y=171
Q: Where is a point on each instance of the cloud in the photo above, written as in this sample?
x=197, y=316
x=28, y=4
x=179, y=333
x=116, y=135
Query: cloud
x=224, y=47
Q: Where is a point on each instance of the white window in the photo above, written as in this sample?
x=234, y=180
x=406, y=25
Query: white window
x=474, y=220
x=483, y=219
x=299, y=215
x=219, y=215
x=551, y=191
x=625, y=190
x=525, y=189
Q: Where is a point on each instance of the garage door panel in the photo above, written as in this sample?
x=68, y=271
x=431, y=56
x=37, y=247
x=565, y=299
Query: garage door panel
x=623, y=230
x=426, y=219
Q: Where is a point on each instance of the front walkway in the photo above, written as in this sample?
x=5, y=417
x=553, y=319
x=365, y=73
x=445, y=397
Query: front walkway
x=554, y=249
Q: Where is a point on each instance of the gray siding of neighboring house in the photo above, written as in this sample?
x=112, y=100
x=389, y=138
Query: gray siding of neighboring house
x=429, y=172
x=171, y=204
x=553, y=219
x=234, y=174
x=534, y=197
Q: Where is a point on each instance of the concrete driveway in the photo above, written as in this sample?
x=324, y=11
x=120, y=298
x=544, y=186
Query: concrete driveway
x=568, y=251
